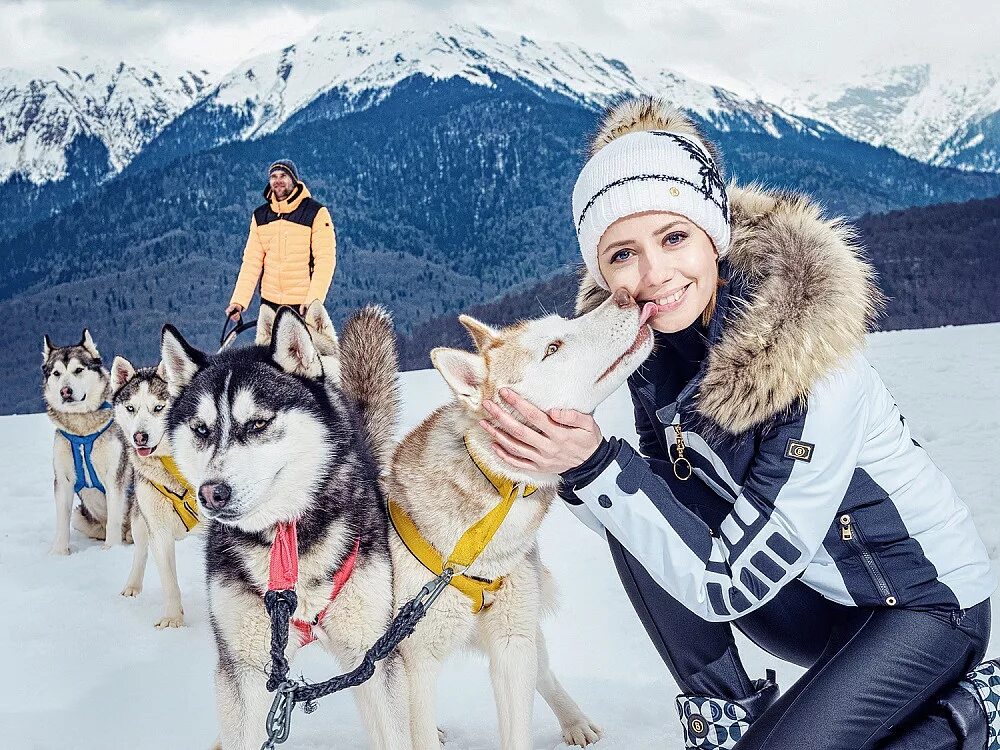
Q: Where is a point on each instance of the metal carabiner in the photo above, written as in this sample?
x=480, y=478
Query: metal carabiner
x=433, y=589
x=279, y=718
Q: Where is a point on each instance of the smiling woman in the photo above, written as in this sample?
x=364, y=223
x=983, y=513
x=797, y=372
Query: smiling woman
x=664, y=259
x=778, y=486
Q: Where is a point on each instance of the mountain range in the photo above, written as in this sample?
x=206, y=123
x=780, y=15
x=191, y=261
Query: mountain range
x=447, y=160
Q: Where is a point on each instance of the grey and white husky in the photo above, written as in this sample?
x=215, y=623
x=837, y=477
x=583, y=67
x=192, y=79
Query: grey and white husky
x=165, y=507
x=268, y=439
x=87, y=455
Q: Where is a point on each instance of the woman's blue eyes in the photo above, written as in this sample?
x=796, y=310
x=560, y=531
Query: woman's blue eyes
x=671, y=240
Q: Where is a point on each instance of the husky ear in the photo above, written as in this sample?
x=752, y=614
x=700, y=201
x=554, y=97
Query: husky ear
x=180, y=360
x=292, y=347
x=464, y=372
x=161, y=371
x=47, y=347
x=482, y=334
x=318, y=320
x=121, y=372
x=88, y=343
x=265, y=325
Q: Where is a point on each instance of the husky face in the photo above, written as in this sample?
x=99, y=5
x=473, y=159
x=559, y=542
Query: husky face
x=552, y=362
x=74, y=378
x=140, y=401
x=257, y=429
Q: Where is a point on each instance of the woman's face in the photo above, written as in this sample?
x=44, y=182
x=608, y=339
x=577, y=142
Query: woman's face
x=663, y=258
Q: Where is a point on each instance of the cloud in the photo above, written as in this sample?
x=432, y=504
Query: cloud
x=761, y=42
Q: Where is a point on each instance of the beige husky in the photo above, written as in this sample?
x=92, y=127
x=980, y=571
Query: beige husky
x=166, y=508
x=445, y=478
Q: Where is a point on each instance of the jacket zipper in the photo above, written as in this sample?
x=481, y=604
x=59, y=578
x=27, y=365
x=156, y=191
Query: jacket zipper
x=850, y=534
x=682, y=467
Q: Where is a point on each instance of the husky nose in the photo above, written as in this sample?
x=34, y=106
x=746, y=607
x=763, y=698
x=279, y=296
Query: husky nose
x=623, y=299
x=140, y=439
x=66, y=392
x=215, y=496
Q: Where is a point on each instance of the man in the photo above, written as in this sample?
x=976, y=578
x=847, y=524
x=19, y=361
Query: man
x=291, y=241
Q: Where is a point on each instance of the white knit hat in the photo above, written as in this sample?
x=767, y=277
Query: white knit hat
x=648, y=156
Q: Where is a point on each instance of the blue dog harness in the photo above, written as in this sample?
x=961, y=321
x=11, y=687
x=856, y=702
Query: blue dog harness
x=83, y=445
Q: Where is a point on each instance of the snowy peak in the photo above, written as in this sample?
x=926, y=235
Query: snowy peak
x=364, y=66
x=928, y=112
x=121, y=106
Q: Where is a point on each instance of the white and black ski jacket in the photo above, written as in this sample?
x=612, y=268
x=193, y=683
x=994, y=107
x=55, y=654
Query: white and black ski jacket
x=787, y=421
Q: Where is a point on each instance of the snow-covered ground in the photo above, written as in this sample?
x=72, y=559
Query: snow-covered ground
x=83, y=668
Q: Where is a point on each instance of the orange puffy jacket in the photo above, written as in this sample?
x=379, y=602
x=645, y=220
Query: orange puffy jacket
x=293, y=243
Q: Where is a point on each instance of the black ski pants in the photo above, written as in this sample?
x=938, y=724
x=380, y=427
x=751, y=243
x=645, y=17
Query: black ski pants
x=871, y=672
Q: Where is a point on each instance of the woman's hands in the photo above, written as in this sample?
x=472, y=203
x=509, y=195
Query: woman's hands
x=549, y=443
x=234, y=311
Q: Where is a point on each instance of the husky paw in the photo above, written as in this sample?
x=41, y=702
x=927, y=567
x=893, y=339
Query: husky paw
x=59, y=549
x=132, y=590
x=170, y=621
x=583, y=733
x=108, y=545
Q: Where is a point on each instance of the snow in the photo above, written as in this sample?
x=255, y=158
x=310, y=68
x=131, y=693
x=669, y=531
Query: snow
x=85, y=669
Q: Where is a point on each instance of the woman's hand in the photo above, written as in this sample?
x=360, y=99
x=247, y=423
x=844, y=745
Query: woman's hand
x=549, y=443
x=234, y=311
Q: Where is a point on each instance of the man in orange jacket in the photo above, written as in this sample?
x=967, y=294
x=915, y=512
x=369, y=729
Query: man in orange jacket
x=291, y=242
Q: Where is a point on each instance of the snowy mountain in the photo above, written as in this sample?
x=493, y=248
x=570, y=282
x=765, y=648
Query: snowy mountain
x=354, y=70
x=942, y=116
x=122, y=108
x=105, y=117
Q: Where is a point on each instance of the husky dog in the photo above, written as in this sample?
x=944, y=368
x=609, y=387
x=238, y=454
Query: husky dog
x=272, y=444
x=87, y=455
x=166, y=508
x=445, y=477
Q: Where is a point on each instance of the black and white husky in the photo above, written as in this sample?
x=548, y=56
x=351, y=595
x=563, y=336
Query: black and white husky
x=269, y=440
x=88, y=457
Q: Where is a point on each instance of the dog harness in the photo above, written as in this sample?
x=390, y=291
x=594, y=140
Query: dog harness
x=83, y=446
x=470, y=545
x=283, y=574
x=184, y=502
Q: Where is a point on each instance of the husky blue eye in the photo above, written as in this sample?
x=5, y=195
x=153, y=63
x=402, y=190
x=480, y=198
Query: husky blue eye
x=158, y=408
x=200, y=430
x=129, y=408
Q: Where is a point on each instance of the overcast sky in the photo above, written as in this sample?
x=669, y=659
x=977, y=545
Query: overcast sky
x=779, y=40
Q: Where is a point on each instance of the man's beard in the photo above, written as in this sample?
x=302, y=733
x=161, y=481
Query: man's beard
x=281, y=194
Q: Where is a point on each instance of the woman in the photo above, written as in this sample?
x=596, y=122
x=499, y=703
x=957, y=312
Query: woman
x=778, y=487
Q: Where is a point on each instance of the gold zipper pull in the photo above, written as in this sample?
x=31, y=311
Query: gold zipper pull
x=846, y=529
x=682, y=467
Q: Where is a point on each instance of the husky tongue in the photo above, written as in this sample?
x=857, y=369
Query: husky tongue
x=649, y=310
x=144, y=451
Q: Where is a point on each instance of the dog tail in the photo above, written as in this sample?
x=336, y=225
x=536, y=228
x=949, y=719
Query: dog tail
x=369, y=374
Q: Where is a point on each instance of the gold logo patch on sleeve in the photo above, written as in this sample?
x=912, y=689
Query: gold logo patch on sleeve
x=799, y=450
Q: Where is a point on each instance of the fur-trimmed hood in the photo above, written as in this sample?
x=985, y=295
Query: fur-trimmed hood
x=802, y=297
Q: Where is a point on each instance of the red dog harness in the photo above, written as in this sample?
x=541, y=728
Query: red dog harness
x=283, y=574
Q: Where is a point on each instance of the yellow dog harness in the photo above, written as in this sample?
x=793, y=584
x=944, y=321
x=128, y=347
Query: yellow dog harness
x=470, y=545
x=185, y=504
